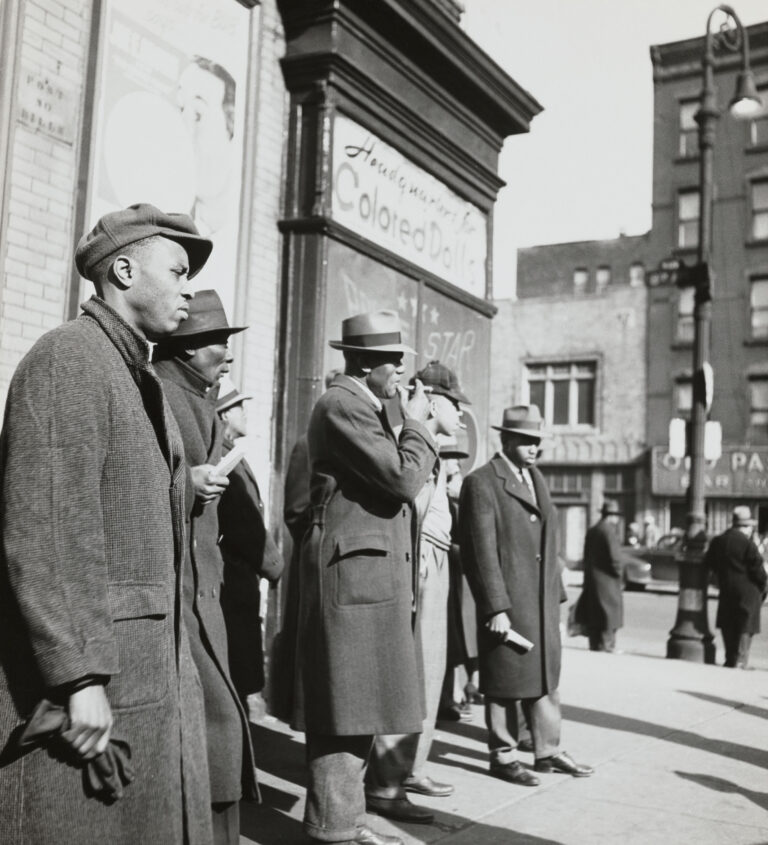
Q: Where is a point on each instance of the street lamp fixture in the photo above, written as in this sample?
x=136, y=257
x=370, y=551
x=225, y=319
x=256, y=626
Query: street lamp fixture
x=691, y=639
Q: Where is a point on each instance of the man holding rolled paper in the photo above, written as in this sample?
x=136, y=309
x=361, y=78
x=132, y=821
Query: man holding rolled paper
x=508, y=536
x=190, y=363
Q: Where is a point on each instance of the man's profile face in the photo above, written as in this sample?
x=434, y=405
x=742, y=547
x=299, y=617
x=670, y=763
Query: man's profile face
x=447, y=414
x=212, y=360
x=386, y=370
x=521, y=449
x=160, y=293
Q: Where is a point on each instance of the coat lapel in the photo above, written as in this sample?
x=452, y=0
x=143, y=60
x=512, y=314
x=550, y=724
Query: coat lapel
x=516, y=488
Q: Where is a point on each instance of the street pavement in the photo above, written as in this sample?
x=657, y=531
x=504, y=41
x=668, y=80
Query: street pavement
x=680, y=752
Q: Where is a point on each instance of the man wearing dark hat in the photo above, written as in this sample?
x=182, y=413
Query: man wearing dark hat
x=735, y=559
x=508, y=535
x=356, y=658
x=249, y=554
x=397, y=763
x=190, y=363
x=92, y=526
x=600, y=607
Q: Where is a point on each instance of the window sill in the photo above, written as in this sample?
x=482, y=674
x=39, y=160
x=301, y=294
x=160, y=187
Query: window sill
x=679, y=159
x=758, y=148
x=756, y=243
x=681, y=344
x=574, y=429
x=756, y=341
x=686, y=251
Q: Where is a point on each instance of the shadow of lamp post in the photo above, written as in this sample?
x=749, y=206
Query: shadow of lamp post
x=691, y=639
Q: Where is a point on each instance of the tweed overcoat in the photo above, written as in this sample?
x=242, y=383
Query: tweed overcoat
x=92, y=531
x=230, y=756
x=741, y=578
x=249, y=554
x=356, y=655
x=509, y=552
x=601, y=605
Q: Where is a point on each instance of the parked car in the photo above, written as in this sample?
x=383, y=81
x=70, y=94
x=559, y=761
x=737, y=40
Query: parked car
x=661, y=557
x=636, y=572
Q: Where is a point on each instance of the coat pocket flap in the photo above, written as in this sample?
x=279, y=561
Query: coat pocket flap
x=136, y=601
x=371, y=543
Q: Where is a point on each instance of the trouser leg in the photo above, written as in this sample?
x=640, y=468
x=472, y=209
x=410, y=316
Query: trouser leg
x=501, y=721
x=390, y=763
x=226, y=823
x=432, y=631
x=543, y=715
x=742, y=650
x=731, y=636
x=335, y=805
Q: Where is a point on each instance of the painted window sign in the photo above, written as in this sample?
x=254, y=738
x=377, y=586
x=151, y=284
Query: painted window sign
x=738, y=472
x=170, y=107
x=381, y=195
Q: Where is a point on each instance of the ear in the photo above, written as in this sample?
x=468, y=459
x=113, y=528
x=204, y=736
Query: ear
x=123, y=271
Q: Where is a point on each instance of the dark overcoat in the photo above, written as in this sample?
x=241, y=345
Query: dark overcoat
x=249, y=554
x=230, y=756
x=741, y=578
x=509, y=553
x=92, y=529
x=601, y=604
x=356, y=658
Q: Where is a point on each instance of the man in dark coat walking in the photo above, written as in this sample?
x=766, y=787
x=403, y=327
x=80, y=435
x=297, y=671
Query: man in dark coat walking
x=741, y=576
x=249, y=554
x=92, y=527
x=508, y=535
x=600, y=607
x=190, y=363
x=356, y=657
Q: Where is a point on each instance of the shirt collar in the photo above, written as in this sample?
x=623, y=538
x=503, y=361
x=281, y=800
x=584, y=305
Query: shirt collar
x=368, y=392
x=514, y=467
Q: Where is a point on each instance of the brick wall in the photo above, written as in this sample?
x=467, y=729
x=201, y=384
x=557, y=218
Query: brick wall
x=41, y=186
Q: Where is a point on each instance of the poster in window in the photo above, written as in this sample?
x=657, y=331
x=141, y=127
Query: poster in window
x=169, y=117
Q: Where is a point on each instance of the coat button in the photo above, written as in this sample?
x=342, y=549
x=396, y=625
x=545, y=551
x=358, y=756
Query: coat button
x=533, y=517
x=538, y=558
x=213, y=593
x=200, y=594
x=407, y=556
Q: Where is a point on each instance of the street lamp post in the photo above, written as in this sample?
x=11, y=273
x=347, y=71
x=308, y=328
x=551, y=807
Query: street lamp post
x=691, y=639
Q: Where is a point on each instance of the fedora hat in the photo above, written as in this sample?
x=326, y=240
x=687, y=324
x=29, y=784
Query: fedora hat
x=742, y=516
x=206, y=316
x=522, y=419
x=449, y=448
x=119, y=229
x=376, y=331
x=610, y=508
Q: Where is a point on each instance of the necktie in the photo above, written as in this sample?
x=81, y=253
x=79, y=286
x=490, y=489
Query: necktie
x=529, y=481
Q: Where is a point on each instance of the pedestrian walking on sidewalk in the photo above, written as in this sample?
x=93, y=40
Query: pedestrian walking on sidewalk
x=357, y=672
x=600, y=607
x=509, y=549
x=734, y=557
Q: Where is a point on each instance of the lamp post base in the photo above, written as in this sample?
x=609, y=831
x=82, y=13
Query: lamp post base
x=691, y=639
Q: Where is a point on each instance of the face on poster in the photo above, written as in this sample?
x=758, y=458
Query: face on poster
x=169, y=119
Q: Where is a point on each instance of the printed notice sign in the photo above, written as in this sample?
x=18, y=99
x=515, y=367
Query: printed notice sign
x=384, y=197
x=46, y=105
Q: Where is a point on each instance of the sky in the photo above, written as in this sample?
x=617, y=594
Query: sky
x=584, y=170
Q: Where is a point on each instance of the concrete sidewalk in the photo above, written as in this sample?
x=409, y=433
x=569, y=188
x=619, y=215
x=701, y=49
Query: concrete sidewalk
x=680, y=752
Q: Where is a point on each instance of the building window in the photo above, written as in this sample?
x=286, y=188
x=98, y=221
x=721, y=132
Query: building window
x=758, y=401
x=636, y=275
x=685, y=304
x=758, y=126
x=688, y=144
x=688, y=219
x=565, y=392
x=760, y=210
x=580, y=279
x=683, y=396
x=758, y=306
x=602, y=278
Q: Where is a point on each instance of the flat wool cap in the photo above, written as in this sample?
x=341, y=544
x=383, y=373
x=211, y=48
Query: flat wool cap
x=119, y=229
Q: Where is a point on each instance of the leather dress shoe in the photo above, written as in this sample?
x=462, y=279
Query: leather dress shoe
x=514, y=772
x=427, y=786
x=398, y=809
x=454, y=712
x=563, y=762
x=525, y=745
x=366, y=836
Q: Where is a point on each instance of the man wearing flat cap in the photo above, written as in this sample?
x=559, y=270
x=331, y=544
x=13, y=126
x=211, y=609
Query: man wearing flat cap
x=741, y=577
x=508, y=536
x=356, y=659
x=190, y=363
x=249, y=554
x=600, y=607
x=92, y=527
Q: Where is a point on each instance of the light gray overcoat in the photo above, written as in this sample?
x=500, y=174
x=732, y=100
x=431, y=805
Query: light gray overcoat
x=93, y=537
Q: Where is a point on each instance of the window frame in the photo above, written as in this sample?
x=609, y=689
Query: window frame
x=755, y=211
x=763, y=424
x=684, y=133
x=685, y=318
x=753, y=143
x=680, y=221
x=573, y=378
x=754, y=279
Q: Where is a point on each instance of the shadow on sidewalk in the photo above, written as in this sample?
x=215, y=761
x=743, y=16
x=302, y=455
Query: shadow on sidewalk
x=279, y=753
x=727, y=786
x=747, y=709
x=612, y=721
